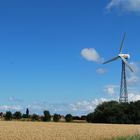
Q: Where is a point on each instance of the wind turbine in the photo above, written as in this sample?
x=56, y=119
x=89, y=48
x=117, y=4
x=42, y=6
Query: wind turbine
x=124, y=58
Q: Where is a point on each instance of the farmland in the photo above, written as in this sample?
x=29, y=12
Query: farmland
x=17, y=130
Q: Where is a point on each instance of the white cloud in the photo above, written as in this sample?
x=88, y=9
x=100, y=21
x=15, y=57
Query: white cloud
x=12, y=107
x=133, y=97
x=77, y=108
x=111, y=89
x=15, y=100
x=133, y=77
x=101, y=70
x=91, y=54
x=124, y=5
x=85, y=107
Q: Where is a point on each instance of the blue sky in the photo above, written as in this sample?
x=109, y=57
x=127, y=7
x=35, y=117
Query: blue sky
x=40, y=52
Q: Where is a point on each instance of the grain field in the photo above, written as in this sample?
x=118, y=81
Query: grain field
x=63, y=131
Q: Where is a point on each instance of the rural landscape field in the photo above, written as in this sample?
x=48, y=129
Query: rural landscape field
x=69, y=69
x=63, y=131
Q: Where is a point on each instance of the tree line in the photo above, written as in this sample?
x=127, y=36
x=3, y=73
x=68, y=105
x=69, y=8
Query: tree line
x=46, y=117
x=115, y=112
x=107, y=112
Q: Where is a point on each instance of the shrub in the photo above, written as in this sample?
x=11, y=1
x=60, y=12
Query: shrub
x=17, y=115
x=8, y=116
x=27, y=112
x=84, y=117
x=1, y=114
x=56, y=117
x=35, y=117
x=47, y=116
x=76, y=118
x=68, y=118
x=24, y=116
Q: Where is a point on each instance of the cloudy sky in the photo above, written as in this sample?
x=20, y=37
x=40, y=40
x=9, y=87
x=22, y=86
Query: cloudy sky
x=51, y=53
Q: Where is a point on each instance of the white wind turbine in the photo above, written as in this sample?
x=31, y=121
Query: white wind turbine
x=124, y=58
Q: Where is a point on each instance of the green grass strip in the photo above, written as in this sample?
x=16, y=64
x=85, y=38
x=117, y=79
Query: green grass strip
x=128, y=138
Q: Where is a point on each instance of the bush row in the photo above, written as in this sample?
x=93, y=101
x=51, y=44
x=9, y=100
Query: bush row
x=46, y=117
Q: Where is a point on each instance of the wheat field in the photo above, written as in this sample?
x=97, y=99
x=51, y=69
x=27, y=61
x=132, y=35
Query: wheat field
x=63, y=131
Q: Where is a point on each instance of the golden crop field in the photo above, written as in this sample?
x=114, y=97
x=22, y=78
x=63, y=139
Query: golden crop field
x=63, y=131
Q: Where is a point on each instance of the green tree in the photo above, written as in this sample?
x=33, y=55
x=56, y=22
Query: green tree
x=90, y=118
x=56, y=117
x=8, y=116
x=17, y=115
x=35, y=117
x=27, y=112
x=106, y=112
x=47, y=116
x=83, y=117
x=134, y=112
x=24, y=116
x=68, y=118
x=115, y=112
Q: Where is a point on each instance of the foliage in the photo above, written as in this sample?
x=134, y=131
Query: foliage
x=27, y=112
x=8, y=116
x=35, y=117
x=17, y=115
x=56, y=117
x=1, y=114
x=89, y=118
x=25, y=116
x=68, y=118
x=83, y=117
x=115, y=112
x=47, y=116
x=76, y=118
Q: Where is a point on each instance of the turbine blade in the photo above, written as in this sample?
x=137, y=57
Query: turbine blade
x=113, y=59
x=128, y=65
x=121, y=47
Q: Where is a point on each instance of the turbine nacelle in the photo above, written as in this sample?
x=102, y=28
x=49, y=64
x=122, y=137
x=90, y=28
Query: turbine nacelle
x=126, y=56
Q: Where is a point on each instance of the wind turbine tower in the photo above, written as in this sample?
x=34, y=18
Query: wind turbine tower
x=124, y=58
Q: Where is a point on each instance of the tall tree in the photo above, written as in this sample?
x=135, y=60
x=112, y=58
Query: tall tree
x=47, y=116
x=56, y=117
x=27, y=112
x=17, y=115
x=8, y=116
x=68, y=118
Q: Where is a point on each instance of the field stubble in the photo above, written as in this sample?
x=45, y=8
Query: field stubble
x=63, y=131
